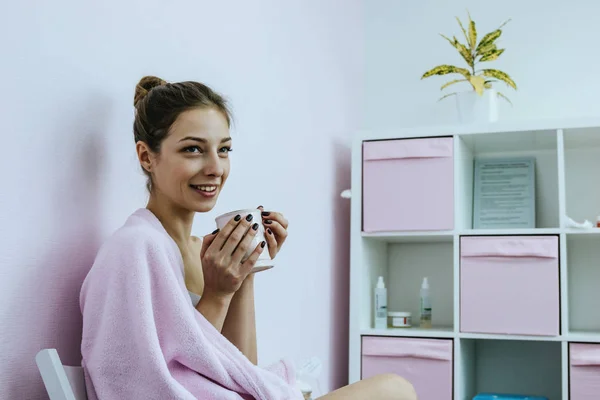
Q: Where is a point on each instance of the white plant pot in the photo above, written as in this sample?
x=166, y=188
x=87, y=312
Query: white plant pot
x=473, y=108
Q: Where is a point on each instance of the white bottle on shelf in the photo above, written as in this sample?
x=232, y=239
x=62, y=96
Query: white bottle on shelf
x=425, y=305
x=380, y=304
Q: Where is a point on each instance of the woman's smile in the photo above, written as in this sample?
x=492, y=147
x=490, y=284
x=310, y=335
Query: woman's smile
x=208, y=191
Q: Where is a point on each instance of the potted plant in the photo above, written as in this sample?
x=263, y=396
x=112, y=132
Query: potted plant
x=479, y=102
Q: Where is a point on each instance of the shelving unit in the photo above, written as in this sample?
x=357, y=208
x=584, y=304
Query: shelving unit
x=567, y=155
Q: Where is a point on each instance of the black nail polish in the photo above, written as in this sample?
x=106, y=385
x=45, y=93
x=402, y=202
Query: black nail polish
x=215, y=231
x=262, y=244
x=268, y=221
x=265, y=213
x=249, y=217
x=269, y=231
x=255, y=226
x=237, y=217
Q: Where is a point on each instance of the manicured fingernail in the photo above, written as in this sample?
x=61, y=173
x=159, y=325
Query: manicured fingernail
x=215, y=231
x=255, y=226
x=238, y=217
x=269, y=231
x=249, y=217
x=259, y=207
x=268, y=221
x=262, y=244
x=265, y=213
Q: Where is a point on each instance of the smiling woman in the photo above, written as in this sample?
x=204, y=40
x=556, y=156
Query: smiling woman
x=176, y=126
x=144, y=334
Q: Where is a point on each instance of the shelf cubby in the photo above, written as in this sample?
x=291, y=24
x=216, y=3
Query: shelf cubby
x=541, y=145
x=583, y=276
x=510, y=366
x=403, y=262
x=408, y=265
x=582, y=163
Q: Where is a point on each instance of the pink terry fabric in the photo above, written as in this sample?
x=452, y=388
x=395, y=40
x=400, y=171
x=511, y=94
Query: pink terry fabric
x=143, y=339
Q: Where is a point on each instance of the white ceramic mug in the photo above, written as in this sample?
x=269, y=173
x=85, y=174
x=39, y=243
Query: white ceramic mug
x=264, y=260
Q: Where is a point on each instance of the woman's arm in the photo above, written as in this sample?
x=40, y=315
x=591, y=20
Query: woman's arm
x=214, y=309
x=240, y=323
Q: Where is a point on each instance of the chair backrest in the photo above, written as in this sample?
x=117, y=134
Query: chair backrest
x=61, y=382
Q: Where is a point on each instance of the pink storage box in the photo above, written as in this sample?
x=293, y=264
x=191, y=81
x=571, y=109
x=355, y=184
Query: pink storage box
x=584, y=371
x=408, y=185
x=420, y=361
x=510, y=285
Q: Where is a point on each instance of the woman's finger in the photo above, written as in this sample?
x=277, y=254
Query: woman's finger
x=275, y=216
x=223, y=234
x=206, y=242
x=242, y=248
x=237, y=235
x=247, y=266
x=271, y=242
x=278, y=230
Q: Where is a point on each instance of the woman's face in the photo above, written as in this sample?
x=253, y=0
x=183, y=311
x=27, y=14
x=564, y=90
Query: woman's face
x=193, y=163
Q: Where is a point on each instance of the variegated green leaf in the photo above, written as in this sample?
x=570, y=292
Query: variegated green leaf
x=486, y=49
x=445, y=85
x=447, y=95
x=472, y=33
x=504, y=97
x=491, y=55
x=488, y=83
x=504, y=23
x=489, y=39
x=463, y=51
x=445, y=70
x=486, y=41
x=464, y=31
x=494, y=73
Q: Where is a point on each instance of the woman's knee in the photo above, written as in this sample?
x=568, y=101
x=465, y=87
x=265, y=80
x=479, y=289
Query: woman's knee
x=396, y=386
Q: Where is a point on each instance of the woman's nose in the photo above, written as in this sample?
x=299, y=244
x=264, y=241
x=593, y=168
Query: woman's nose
x=213, y=165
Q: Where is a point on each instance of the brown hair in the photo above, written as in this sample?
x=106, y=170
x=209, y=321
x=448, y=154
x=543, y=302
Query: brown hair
x=158, y=104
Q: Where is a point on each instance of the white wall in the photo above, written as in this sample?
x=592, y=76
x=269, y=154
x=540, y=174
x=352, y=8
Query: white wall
x=69, y=176
x=550, y=53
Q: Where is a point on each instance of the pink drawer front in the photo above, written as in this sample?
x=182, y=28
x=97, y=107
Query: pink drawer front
x=408, y=185
x=420, y=361
x=509, y=285
x=584, y=371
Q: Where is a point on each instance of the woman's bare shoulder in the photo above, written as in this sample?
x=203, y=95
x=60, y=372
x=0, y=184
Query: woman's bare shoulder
x=196, y=242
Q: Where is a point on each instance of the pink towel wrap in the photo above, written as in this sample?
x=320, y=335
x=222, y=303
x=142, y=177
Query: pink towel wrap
x=143, y=339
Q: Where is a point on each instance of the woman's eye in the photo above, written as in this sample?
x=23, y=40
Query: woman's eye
x=192, y=149
x=225, y=149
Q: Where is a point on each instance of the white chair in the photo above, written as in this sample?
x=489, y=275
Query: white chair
x=62, y=382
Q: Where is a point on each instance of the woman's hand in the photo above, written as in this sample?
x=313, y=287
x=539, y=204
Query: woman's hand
x=222, y=253
x=275, y=230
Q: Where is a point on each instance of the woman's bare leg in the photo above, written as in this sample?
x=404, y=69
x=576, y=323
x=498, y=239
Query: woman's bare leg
x=380, y=387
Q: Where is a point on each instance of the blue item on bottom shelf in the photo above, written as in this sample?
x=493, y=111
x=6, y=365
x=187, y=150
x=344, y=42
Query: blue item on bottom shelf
x=498, y=396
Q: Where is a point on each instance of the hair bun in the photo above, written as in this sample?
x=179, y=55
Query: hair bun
x=144, y=86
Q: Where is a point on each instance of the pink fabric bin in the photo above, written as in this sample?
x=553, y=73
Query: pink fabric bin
x=408, y=185
x=584, y=371
x=420, y=361
x=510, y=285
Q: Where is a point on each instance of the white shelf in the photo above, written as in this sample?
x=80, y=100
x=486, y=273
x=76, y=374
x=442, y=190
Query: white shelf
x=485, y=336
x=584, y=336
x=512, y=232
x=410, y=237
x=567, y=154
x=435, y=332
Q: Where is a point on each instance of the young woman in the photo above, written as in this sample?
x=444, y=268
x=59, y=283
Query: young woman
x=136, y=335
